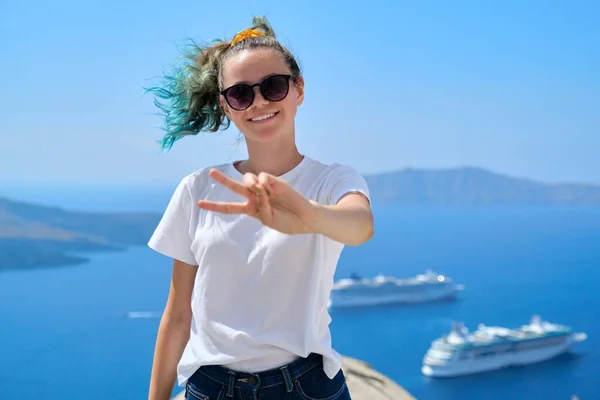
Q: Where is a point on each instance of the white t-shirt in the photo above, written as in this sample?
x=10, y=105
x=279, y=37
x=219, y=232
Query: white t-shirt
x=260, y=296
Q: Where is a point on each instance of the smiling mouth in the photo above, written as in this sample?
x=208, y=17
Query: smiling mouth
x=263, y=117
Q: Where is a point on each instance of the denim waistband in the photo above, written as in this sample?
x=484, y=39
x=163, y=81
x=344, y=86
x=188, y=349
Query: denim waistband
x=253, y=381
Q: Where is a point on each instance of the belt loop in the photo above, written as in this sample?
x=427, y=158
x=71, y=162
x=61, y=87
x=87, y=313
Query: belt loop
x=230, y=387
x=287, y=378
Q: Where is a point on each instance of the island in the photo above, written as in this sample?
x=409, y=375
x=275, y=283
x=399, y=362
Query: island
x=471, y=186
x=34, y=235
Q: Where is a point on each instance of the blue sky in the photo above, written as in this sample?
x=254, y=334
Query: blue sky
x=510, y=87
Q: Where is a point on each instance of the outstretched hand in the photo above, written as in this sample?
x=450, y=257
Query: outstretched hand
x=269, y=199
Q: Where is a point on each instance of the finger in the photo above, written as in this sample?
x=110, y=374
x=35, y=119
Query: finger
x=264, y=206
x=251, y=182
x=265, y=180
x=223, y=207
x=229, y=183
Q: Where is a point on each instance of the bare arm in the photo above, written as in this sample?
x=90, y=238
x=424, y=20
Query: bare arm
x=350, y=221
x=173, y=331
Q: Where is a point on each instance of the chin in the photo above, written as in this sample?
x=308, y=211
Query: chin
x=263, y=135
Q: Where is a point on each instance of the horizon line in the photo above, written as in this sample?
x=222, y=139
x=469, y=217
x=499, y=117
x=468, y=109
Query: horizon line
x=154, y=183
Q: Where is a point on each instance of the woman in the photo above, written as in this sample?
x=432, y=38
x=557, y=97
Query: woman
x=255, y=243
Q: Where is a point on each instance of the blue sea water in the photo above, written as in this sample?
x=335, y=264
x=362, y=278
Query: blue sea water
x=63, y=333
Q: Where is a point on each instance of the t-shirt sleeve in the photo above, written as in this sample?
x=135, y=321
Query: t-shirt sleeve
x=172, y=237
x=346, y=180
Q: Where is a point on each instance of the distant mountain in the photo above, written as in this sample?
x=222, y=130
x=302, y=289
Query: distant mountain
x=34, y=235
x=474, y=186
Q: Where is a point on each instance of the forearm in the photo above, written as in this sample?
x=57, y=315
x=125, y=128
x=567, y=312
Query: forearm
x=351, y=224
x=173, y=334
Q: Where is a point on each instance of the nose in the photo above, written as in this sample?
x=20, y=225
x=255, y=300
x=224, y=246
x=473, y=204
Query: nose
x=259, y=100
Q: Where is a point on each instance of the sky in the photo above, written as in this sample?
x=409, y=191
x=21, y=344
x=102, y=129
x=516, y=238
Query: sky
x=512, y=87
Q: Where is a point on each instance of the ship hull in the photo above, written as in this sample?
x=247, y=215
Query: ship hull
x=525, y=357
x=440, y=293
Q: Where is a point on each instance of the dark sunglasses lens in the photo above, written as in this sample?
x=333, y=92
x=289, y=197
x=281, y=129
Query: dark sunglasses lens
x=240, y=96
x=275, y=88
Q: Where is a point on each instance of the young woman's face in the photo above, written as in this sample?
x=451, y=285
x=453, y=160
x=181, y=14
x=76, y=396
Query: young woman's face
x=264, y=119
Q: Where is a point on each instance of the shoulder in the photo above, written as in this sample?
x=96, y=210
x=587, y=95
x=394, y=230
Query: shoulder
x=337, y=179
x=331, y=172
x=198, y=181
x=333, y=169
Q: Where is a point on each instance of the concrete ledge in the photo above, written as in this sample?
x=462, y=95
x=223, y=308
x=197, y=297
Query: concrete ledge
x=364, y=383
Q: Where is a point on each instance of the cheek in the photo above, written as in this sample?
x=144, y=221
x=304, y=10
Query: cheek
x=237, y=117
x=290, y=104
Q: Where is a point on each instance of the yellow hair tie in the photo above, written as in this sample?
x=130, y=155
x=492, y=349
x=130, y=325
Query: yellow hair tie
x=246, y=34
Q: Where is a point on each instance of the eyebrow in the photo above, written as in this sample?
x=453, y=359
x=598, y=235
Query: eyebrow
x=261, y=79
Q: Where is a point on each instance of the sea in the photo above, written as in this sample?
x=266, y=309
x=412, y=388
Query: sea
x=64, y=333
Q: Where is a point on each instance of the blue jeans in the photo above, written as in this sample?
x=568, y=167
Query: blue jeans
x=302, y=379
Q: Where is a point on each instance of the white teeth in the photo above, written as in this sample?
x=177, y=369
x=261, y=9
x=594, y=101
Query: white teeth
x=262, y=117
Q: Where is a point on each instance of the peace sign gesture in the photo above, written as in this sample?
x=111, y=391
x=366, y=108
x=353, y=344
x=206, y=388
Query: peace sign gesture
x=269, y=199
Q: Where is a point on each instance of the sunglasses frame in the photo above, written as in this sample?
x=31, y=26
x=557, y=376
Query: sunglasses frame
x=262, y=90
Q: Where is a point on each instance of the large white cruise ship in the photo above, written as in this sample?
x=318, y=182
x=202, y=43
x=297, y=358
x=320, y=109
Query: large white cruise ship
x=492, y=347
x=357, y=291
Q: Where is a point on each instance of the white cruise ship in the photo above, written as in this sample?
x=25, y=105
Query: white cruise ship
x=492, y=347
x=357, y=291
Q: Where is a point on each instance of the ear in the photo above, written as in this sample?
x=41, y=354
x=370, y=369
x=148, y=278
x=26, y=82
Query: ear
x=300, y=89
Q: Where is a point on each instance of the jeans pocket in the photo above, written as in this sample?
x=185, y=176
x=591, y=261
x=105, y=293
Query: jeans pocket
x=316, y=385
x=192, y=394
x=205, y=390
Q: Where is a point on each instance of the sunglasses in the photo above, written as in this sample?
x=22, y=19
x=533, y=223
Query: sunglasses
x=273, y=88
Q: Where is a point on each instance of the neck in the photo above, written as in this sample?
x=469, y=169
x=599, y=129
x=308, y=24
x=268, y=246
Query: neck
x=276, y=157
